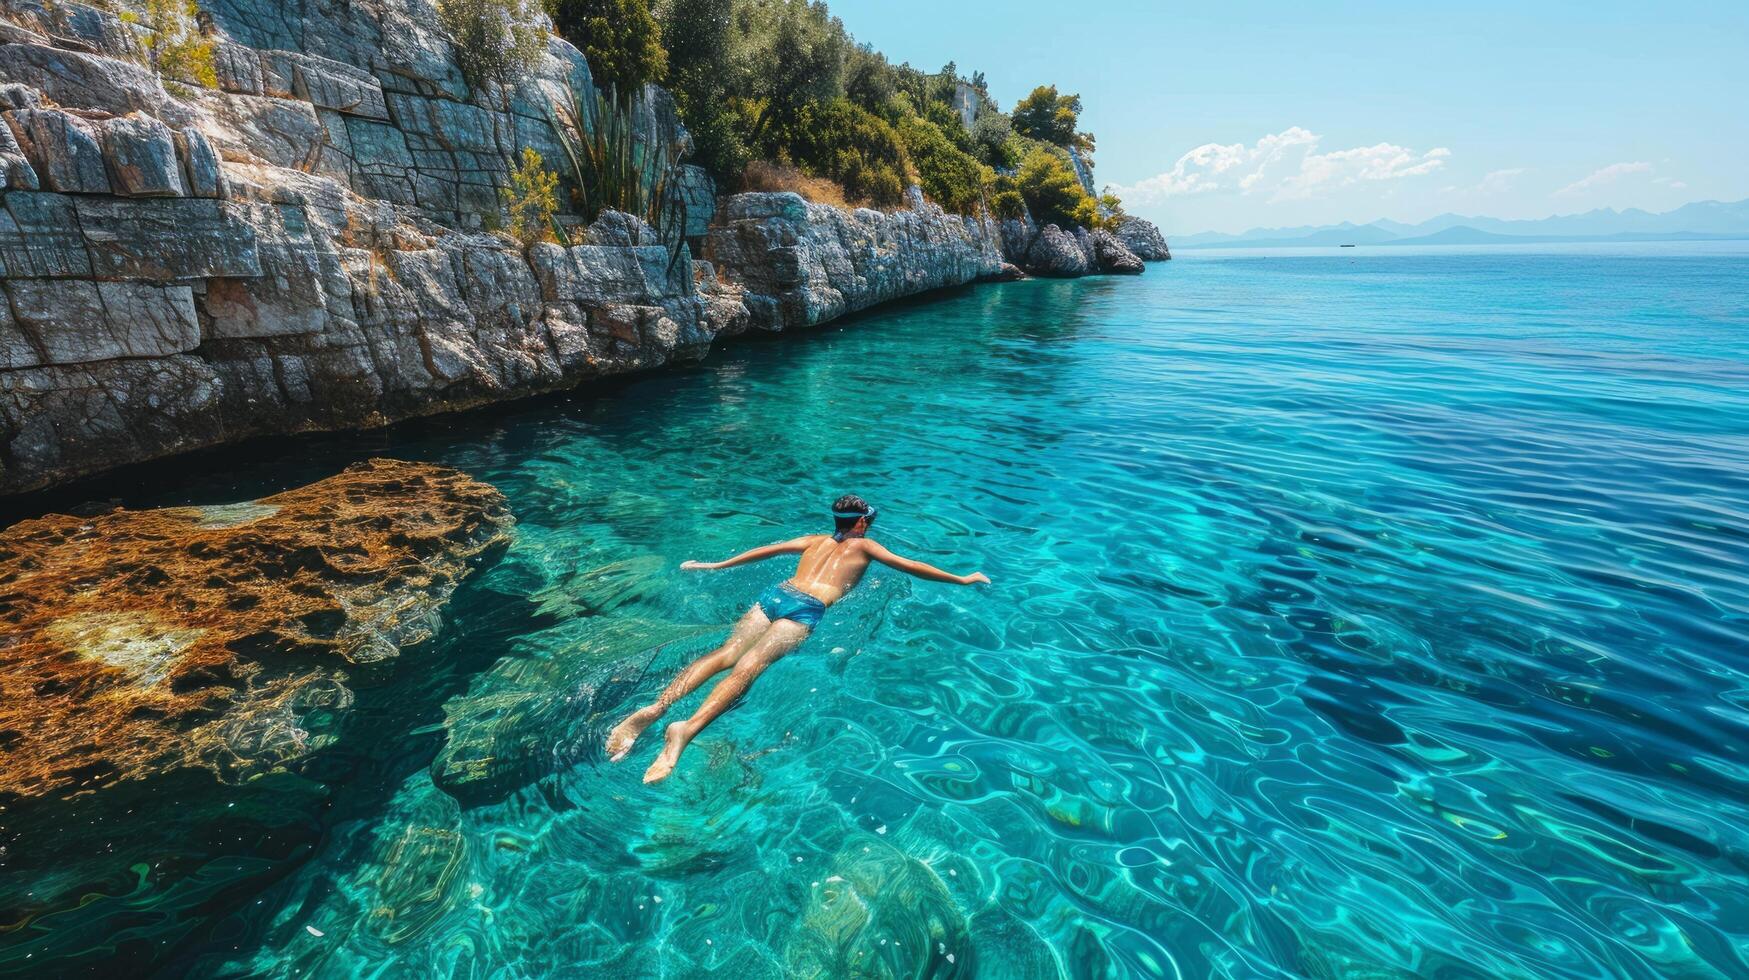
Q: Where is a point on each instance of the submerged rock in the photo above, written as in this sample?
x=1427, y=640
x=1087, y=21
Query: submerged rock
x=1007, y=947
x=414, y=875
x=604, y=588
x=532, y=711
x=879, y=912
x=419, y=881
x=141, y=642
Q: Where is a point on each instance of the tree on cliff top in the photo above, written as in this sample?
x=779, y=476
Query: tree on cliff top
x=796, y=60
x=618, y=37
x=497, y=41
x=703, y=57
x=1045, y=115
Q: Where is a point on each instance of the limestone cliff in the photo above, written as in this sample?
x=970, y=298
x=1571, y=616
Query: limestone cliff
x=300, y=247
x=1141, y=237
x=304, y=245
x=801, y=264
x=1052, y=252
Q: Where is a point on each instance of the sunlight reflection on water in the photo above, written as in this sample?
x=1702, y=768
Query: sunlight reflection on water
x=1351, y=616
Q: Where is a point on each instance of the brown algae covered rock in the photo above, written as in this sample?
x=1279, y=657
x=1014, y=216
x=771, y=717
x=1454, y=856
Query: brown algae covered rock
x=139, y=642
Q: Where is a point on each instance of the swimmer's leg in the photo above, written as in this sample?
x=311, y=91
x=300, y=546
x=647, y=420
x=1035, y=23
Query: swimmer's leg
x=783, y=637
x=619, y=741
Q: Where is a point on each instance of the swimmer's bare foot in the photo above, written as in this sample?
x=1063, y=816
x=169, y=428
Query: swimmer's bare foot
x=625, y=734
x=674, y=742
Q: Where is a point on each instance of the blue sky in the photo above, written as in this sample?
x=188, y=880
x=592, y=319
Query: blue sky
x=1228, y=116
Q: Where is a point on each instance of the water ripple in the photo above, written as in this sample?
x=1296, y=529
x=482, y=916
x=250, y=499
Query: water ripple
x=1353, y=617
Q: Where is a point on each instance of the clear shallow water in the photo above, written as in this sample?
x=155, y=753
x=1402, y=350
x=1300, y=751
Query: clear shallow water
x=1353, y=615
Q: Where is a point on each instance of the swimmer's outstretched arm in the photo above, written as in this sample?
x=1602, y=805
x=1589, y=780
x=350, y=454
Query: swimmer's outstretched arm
x=921, y=570
x=794, y=547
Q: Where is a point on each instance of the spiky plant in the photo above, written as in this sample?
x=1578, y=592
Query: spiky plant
x=615, y=169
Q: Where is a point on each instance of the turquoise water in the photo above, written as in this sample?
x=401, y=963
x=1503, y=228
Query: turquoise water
x=1358, y=614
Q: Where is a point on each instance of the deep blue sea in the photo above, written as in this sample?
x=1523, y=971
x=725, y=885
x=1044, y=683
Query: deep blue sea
x=1371, y=612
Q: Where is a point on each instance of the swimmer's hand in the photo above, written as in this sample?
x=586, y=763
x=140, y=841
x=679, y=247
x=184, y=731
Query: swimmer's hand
x=976, y=578
x=696, y=566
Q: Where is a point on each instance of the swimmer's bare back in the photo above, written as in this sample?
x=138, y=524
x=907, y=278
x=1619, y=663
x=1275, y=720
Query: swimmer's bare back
x=829, y=568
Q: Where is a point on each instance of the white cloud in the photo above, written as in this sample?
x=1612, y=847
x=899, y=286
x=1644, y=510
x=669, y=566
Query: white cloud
x=1287, y=164
x=1384, y=161
x=1673, y=184
x=1495, y=182
x=1608, y=175
x=1499, y=181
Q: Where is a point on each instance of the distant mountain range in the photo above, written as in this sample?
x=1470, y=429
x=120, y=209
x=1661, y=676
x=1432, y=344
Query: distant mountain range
x=1701, y=220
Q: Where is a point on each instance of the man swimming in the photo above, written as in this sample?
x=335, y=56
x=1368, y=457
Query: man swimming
x=830, y=566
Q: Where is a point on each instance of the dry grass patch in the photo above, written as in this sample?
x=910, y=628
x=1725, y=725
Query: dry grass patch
x=762, y=175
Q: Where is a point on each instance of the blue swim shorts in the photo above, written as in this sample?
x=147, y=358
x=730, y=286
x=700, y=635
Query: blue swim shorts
x=785, y=601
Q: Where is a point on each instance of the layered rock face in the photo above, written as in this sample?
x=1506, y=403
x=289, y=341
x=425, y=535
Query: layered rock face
x=303, y=246
x=144, y=642
x=1054, y=253
x=1141, y=237
x=801, y=264
x=299, y=248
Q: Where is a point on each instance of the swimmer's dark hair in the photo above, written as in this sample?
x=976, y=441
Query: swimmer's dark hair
x=846, y=511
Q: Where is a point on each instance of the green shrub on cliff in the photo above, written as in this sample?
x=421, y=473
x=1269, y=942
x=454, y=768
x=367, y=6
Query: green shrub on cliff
x=947, y=119
x=175, y=46
x=1111, y=212
x=783, y=82
x=993, y=141
x=1006, y=201
x=619, y=39
x=531, y=199
x=1052, y=191
x=869, y=80
x=844, y=142
x=949, y=176
x=498, y=41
